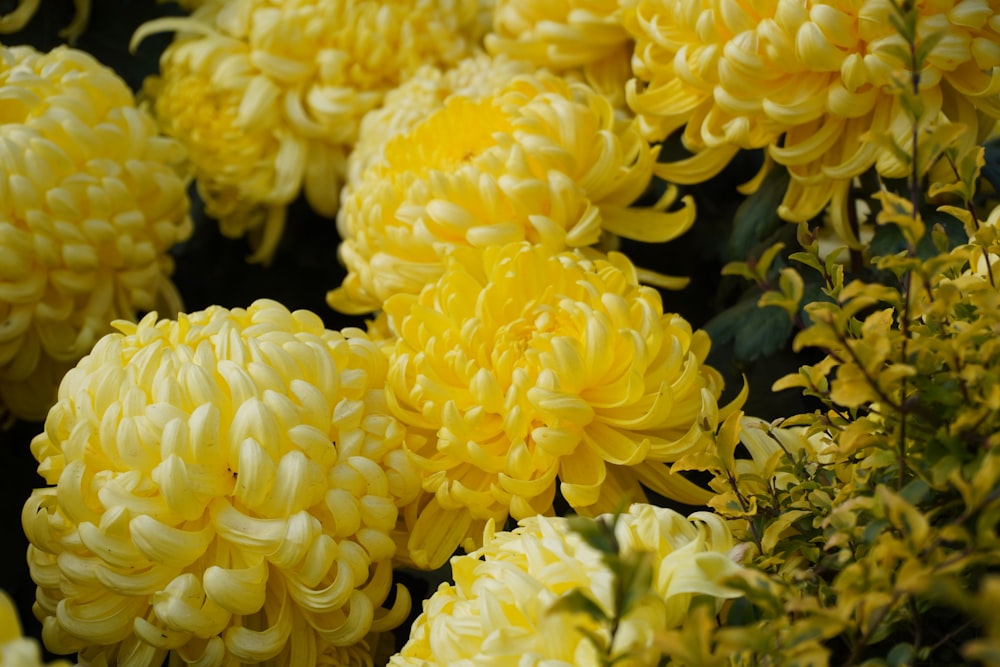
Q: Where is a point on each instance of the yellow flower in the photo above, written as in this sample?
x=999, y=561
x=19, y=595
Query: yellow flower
x=500, y=609
x=90, y=202
x=25, y=10
x=221, y=488
x=15, y=650
x=568, y=37
x=538, y=160
x=814, y=83
x=523, y=371
x=267, y=96
x=421, y=95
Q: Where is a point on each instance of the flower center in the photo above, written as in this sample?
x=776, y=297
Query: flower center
x=453, y=136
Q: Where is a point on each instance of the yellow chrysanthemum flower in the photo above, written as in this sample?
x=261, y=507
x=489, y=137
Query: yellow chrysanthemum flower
x=267, y=96
x=222, y=489
x=500, y=609
x=15, y=650
x=91, y=200
x=815, y=83
x=426, y=91
x=26, y=9
x=569, y=37
x=540, y=160
x=523, y=371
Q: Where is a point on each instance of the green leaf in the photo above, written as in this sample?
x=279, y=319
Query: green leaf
x=927, y=44
x=900, y=655
x=778, y=527
x=595, y=532
x=579, y=602
x=991, y=168
x=636, y=580
x=724, y=326
x=764, y=331
x=757, y=217
x=809, y=259
x=741, y=612
x=757, y=331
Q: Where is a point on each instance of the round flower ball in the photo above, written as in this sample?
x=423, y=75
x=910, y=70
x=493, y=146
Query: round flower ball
x=16, y=650
x=502, y=607
x=91, y=200
x=814, y=83
x=267, y=95
x=538, y=160
x=571, y=37
x=221, y=489
x=522, y=371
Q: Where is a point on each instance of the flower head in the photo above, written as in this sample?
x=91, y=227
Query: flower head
x=538, y=159
x=267, y=96
x=426, y=91
x=815, y=83
x=15, y=650
x=569, y=37
x=524, y=371
x=502, y=603
x=222, y=489
x=91, y=200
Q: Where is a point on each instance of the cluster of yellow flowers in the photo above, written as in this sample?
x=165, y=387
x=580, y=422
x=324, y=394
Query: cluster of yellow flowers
x=815, y=83
x=236, y=486
x=91, y=200
x=267, y=96
x=502, y=606
x=570, y=37
x=223, y=489
x=535, y=158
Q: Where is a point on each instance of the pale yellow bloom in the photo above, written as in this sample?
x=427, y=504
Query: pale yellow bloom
x=539, y=160
x=814, y=83
x=570, y=37
x=91, y=200
x=25, y=10
x=15, y=650
x=221, y=489
x=524, y=371
x=267, y=95
x=499, y=610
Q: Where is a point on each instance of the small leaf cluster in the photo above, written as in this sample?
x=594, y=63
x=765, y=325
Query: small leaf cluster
x=632, y=577
x=872, y=521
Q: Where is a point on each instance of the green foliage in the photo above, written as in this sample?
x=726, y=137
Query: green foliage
x=871, y=523
x=757, y=217
x=875, y=518
x=632, y=583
